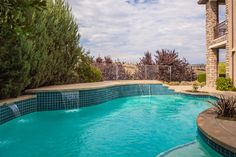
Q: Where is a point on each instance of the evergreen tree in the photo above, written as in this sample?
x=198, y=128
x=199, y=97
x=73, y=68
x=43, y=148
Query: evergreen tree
x=16, y=24
x=65, y=50
x=39, y=45
x=57, y=45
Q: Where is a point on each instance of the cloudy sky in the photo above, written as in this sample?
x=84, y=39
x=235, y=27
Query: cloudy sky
x=125, y=29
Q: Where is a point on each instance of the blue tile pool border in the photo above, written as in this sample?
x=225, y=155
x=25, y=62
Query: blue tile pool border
x=218, y=148
x=24, y=106
x=59, y=100
x=63, y=100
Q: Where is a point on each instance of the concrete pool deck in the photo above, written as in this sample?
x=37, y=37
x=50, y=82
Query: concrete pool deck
x=202, y=91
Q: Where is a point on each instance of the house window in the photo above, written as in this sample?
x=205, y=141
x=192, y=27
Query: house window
x=222, y=13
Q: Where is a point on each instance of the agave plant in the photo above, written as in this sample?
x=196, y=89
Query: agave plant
x=225, y=106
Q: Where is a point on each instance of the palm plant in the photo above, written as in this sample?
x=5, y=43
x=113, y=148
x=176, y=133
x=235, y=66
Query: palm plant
x=225, y=106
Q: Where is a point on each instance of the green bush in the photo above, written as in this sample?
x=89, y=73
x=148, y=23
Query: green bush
x=201, y=77
x=222, y=69
x=233, y=89
x=224, y=84
x=85, y=71
x=89, y=74
x=225, y=107
x=195, y=87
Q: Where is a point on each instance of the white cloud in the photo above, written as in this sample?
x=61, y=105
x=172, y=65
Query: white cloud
x=125, y=29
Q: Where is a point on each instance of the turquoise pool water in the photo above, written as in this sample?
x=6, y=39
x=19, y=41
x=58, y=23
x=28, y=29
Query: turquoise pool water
x=140, y=126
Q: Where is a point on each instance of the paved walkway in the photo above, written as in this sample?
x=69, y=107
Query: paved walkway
x=205, y=91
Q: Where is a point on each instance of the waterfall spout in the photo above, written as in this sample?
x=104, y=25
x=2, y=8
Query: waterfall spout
x=15, y=110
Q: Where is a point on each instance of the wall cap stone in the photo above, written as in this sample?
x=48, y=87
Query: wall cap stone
x=15, y=100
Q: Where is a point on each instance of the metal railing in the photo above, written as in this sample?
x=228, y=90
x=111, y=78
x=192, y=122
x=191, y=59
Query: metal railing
x=118, y=71
x=220, y=29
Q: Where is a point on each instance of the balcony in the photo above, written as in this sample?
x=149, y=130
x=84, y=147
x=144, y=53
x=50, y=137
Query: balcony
x=220, y=29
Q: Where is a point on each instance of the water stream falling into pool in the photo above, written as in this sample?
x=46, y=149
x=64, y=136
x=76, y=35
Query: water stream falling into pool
x=70, y=100
x=149, y=90
x=141, y=89
x=15, y=110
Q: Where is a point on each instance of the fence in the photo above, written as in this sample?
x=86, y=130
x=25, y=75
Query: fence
x=119, y=71
x=220, y=29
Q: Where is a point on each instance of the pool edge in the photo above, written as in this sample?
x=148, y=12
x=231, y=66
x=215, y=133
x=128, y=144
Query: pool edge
x=214, y=135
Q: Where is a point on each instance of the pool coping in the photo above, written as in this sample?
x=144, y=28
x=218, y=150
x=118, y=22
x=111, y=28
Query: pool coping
x=15, y=100
x=219, y=134
x=90, y=86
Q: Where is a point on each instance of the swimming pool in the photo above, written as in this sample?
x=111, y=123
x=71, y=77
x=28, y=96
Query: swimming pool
x=135, y=126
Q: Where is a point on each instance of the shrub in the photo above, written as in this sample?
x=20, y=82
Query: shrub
x=233, y=89
x=225, y=106
x=111, y=70
x=88, y=73
x=173, y=83
x=186, y=83
x=195, y=87
x=224, y=84
x=222, y=69
x=202, y=84
x=84, y=70
x=201, y=77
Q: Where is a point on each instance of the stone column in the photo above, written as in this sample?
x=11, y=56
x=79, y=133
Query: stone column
x=228, y=61
x=212, y=54
x=231, y=40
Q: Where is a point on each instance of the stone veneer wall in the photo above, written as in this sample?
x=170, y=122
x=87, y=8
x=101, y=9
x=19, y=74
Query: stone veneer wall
x=212, y=54
x=228, y=62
